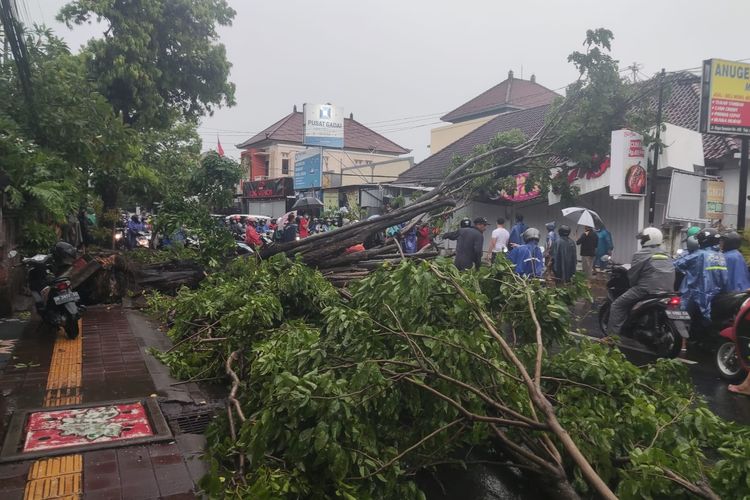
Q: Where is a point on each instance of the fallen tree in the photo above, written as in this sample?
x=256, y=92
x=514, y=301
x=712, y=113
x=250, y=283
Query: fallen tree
x=351, y=397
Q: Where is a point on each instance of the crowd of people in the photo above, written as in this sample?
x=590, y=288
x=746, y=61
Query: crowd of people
x=522, y=245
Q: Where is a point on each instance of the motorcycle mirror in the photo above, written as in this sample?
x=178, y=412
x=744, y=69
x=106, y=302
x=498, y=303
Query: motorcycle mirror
x=12, y=254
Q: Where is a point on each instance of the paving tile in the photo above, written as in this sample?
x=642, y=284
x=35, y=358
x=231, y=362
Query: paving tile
x=108, y=494
x=180, y=496
x=136, y=473
x=173, y=479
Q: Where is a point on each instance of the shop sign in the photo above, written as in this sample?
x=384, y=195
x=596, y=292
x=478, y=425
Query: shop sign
x=725, y=97
x=714, y=200
x=331, y=199
x=323, y=125
x=307, y=170
x=269, y=188
x=627, y=173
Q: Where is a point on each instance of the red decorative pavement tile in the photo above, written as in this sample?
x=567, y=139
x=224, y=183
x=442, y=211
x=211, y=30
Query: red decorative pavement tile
x=47, y=430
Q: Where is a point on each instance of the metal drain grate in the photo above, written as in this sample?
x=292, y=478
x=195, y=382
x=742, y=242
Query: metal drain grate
x=192, y=422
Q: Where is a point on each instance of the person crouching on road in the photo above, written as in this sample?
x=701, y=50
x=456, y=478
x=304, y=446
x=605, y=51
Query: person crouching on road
x=528, y=258
x=651, y=272
x=252, y=238
x=469, y=243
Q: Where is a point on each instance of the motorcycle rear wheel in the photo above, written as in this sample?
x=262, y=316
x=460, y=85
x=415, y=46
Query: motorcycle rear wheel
x=71, y=325
x=675, y=348
x=727, y=363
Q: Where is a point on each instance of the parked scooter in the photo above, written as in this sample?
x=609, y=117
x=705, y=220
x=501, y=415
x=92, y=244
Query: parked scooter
x=733, y=354
x=656, y=321
x=54, y=300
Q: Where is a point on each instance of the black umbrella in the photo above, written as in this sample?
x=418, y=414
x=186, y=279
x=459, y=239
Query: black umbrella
x=307, y=202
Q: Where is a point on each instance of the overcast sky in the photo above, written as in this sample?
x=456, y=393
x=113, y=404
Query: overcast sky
x=398, y=65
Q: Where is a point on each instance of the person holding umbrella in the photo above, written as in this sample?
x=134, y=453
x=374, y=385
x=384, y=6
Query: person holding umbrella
x=588, y=242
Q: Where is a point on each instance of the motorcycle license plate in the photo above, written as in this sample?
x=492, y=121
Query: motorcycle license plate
x=66, y=297
x=681, y=315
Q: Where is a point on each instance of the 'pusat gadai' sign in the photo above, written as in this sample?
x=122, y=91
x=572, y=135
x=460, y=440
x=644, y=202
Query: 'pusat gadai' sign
x=324, y=125
x=725, y=97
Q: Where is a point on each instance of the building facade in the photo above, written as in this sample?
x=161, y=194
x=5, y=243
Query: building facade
x=367, y=158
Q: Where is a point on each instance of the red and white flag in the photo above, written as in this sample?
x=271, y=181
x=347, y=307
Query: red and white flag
x=219, y=149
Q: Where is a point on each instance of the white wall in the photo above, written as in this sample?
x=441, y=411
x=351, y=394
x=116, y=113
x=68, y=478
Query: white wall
x=620, y=217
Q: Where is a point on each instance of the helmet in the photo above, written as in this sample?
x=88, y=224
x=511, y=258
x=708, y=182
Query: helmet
x=550, y=226
x=63, y=253
x=650, y=237
x=692, y=244
x=480, y=220
x=731, y=241
x=531, y=233
x=693, y=230
x=708, y=237
x=251, y=220
x=465, y=222
x=564, y=230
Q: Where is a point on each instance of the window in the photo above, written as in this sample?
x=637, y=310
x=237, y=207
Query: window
x=285, y=166
x=266, y=167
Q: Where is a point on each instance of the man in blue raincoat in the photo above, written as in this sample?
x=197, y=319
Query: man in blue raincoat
x=737, y=272
x=705, y=273
x=516, y=232
x=528, y=258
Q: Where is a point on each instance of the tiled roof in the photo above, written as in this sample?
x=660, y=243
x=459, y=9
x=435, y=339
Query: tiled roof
x=356, y=135
x=513, y=93
x=432, y=169
x=681, y=108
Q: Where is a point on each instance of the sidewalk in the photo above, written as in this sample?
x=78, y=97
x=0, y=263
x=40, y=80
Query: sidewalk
x=126, y=447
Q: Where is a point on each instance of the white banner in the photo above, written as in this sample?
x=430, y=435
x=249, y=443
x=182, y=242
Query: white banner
x=628, y=170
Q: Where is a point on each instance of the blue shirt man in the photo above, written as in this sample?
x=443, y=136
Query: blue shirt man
x=516, y=232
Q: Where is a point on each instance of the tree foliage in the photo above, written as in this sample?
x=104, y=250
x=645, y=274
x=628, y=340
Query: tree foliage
x=215, y=181
x=158, y=60
x=350, y=397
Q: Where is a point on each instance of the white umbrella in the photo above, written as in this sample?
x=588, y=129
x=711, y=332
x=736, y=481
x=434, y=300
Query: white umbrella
x=281, y=222
x=583, y=216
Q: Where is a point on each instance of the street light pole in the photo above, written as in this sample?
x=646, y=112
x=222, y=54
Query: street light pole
x=742, y=199
x=657, y=147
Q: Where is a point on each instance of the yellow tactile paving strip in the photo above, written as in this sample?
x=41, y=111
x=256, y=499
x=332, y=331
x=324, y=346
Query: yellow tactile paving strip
x=64, y=379
x=60, y=477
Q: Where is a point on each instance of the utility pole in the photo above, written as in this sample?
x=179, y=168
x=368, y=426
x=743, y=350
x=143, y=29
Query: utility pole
x=742, y=201
x=657, y=148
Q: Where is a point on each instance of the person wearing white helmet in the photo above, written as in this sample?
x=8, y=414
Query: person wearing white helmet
x=651, y=272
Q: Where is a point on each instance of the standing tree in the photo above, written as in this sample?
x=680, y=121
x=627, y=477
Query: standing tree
x=159, y=60
x=215, y=180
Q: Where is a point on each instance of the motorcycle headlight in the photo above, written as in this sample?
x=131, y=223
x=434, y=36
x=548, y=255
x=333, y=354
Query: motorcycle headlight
x=118, y=236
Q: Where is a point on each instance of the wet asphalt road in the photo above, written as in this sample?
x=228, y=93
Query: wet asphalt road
x=700, y=364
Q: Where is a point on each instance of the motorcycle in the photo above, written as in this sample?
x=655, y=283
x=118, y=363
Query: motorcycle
x=656, y=321
x=55, y=301
x=733, y=354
